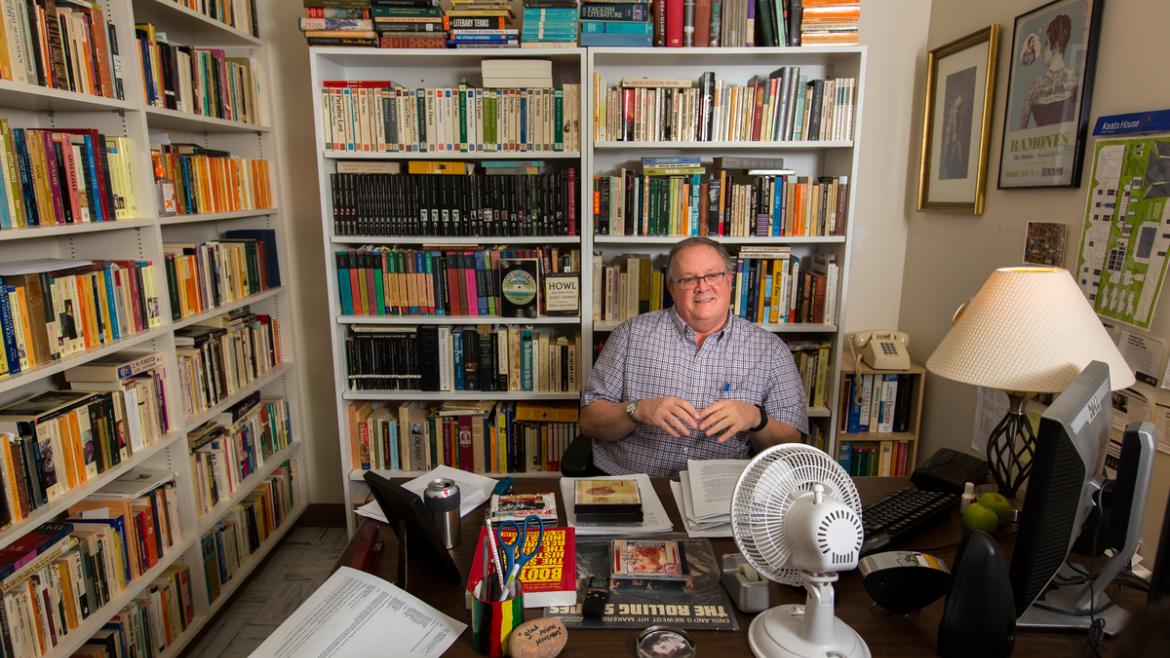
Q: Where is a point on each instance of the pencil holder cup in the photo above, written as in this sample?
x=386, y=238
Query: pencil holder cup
x=492, y=621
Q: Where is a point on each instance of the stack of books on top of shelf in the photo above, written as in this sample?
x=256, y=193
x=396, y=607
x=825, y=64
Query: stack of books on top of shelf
x=829, y=22
x=617, y=24
x=550, y=24
x=338, y=23
x=70, y=46
x=64, y=176
x=481, y=24
x=409, y=23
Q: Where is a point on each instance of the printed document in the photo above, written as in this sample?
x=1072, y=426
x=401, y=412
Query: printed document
x=355, y=614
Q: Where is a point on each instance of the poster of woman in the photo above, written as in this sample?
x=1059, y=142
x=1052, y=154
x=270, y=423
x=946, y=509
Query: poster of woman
x=1049, y=92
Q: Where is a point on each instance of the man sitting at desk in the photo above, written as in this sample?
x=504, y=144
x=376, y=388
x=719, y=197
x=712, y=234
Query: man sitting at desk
x=692, y=381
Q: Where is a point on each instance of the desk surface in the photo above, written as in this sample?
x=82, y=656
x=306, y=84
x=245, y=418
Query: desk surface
x=886, y=634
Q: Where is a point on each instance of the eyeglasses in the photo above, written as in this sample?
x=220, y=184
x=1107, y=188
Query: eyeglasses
x=709, y=280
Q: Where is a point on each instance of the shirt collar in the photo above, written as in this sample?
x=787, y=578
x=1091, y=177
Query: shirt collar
x=688, y=333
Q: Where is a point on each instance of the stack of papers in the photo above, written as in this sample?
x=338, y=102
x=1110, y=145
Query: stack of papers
x=703, y=495
x=654, y=518
x=474, y=490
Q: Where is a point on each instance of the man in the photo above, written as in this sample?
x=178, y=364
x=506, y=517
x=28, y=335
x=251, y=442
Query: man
x=692, y=381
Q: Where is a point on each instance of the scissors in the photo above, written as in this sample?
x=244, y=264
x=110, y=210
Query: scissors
x=515, y=557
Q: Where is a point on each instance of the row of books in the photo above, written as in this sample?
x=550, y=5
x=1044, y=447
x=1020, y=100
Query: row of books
x=53, y=308
x=72, y=47
x=369, y=23
x=64, y=176
x=483, y=358
x=56, y=441
x=783, y=106
x=490, y=203
x=877, y=403
x=235, y=444
x=222, y=355
x=207, y=180
x=480, y=437
x=547, y=24
x=813, y=360
x=59, y=574
x=150, y=623
x=380, y=116
x=245, y=528
x=728, y=203
x=240, y=14
x=204, y=275
x=451, y=281
x=873, y=458
x=203, y=81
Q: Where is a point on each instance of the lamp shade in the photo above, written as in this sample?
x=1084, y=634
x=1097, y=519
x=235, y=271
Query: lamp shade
x=1029, y=329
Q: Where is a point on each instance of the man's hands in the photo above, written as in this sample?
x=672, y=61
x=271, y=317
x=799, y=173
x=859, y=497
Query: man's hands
x=677, y=417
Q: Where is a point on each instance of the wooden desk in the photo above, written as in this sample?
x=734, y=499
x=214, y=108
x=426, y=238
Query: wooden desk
x=886, y=634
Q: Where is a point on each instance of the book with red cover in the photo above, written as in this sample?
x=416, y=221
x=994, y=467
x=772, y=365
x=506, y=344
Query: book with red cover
x=549, y=578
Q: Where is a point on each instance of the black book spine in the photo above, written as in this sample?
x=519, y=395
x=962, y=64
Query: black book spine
x=470, y=360
x=485, y=358
x=814, y=119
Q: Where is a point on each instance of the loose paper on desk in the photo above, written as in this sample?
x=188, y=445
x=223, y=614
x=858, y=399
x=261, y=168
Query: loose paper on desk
x=703, y=494
x=474, y=490
x=355, y=614
x=654, y=518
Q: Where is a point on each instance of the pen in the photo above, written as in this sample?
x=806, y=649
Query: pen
x=726, y=390
x=495, y=554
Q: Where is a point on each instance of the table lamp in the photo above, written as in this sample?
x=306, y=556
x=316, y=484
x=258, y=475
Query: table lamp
x=1028, y=330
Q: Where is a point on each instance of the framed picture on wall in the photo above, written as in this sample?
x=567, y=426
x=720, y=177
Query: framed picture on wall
x=1050, y=88
x=960, y=89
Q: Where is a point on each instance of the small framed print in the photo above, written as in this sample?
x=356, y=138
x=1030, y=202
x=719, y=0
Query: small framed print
x=562, y=293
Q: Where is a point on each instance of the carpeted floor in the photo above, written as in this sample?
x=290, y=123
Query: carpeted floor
x=298, y=567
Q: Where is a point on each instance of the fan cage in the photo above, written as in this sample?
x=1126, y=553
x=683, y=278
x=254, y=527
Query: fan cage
x=765, y=493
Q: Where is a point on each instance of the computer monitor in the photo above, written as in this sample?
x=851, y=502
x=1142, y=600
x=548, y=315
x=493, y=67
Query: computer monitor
x=1066, y=476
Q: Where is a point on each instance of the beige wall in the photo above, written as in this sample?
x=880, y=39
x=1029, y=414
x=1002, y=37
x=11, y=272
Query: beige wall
x=948, y=257
x=896, y=36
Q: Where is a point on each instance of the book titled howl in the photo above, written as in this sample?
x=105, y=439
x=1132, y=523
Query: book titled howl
x=519, y=287
x=607, y=501
x=549, y=578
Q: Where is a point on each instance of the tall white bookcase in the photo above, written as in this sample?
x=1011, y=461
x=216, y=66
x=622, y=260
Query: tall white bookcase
x=142, y=238
x=440, y=68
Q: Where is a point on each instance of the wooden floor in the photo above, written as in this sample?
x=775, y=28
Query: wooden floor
x=298, y=566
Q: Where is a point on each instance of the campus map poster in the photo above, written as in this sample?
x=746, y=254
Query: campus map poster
x=1122, y=261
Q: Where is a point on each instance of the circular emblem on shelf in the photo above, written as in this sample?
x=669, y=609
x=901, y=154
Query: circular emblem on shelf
x=519, y=287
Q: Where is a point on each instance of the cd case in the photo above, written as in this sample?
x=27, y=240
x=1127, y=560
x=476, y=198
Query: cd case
x=607, y=501
x=517, y=507
x=647, y=559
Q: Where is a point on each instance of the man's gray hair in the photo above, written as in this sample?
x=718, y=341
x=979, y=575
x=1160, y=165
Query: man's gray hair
x=698, y=242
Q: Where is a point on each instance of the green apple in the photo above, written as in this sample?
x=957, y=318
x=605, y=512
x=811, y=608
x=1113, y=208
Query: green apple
x=998, y=504
x=979, y=517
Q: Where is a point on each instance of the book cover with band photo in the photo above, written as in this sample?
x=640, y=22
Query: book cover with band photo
x=696, y=602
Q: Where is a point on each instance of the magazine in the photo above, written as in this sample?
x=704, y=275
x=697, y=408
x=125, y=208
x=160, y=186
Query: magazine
x=647, y=558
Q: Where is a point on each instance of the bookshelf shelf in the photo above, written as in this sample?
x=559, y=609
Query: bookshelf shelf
x=638, y=240
x=450, y=240
x=436, y=57
x=159, y=117
x=29, y=106
x=208, y=520
x=227, y=308
x=819, y=412
x=215, y=216
x=721, y=146
x=176, y=16
x=906, y=395
x=51, y=510
x=457, y=395
x=244, y=392
x=93, y=623
x=36, y=374
x=453, y=319
x=25, y=96
x=453, y=155
x=226, y=592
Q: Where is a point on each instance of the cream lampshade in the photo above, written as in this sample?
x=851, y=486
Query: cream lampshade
x=1028, y=330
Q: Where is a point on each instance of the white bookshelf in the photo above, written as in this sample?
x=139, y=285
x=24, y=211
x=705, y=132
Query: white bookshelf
x=421, y=68
x=32, y=106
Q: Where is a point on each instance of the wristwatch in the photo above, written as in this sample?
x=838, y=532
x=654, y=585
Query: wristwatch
x=630, y=409
x=763, y=419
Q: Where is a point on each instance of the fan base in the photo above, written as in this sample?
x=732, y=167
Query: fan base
x=776, y=633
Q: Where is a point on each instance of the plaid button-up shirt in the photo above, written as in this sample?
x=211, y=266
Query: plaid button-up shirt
x=654, y=355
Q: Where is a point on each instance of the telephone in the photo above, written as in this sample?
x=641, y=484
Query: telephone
x=882, y=350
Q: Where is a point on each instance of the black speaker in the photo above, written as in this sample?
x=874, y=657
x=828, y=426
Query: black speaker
x=1160, y=581
x=979, y=616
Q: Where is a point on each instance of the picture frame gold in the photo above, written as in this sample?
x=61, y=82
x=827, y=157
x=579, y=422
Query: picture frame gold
x=956, y=130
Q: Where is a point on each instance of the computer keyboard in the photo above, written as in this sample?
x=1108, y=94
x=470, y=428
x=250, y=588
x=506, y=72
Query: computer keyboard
x=902, y=513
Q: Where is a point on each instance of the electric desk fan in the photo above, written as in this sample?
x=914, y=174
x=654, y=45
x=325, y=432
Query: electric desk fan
x=796, y=518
